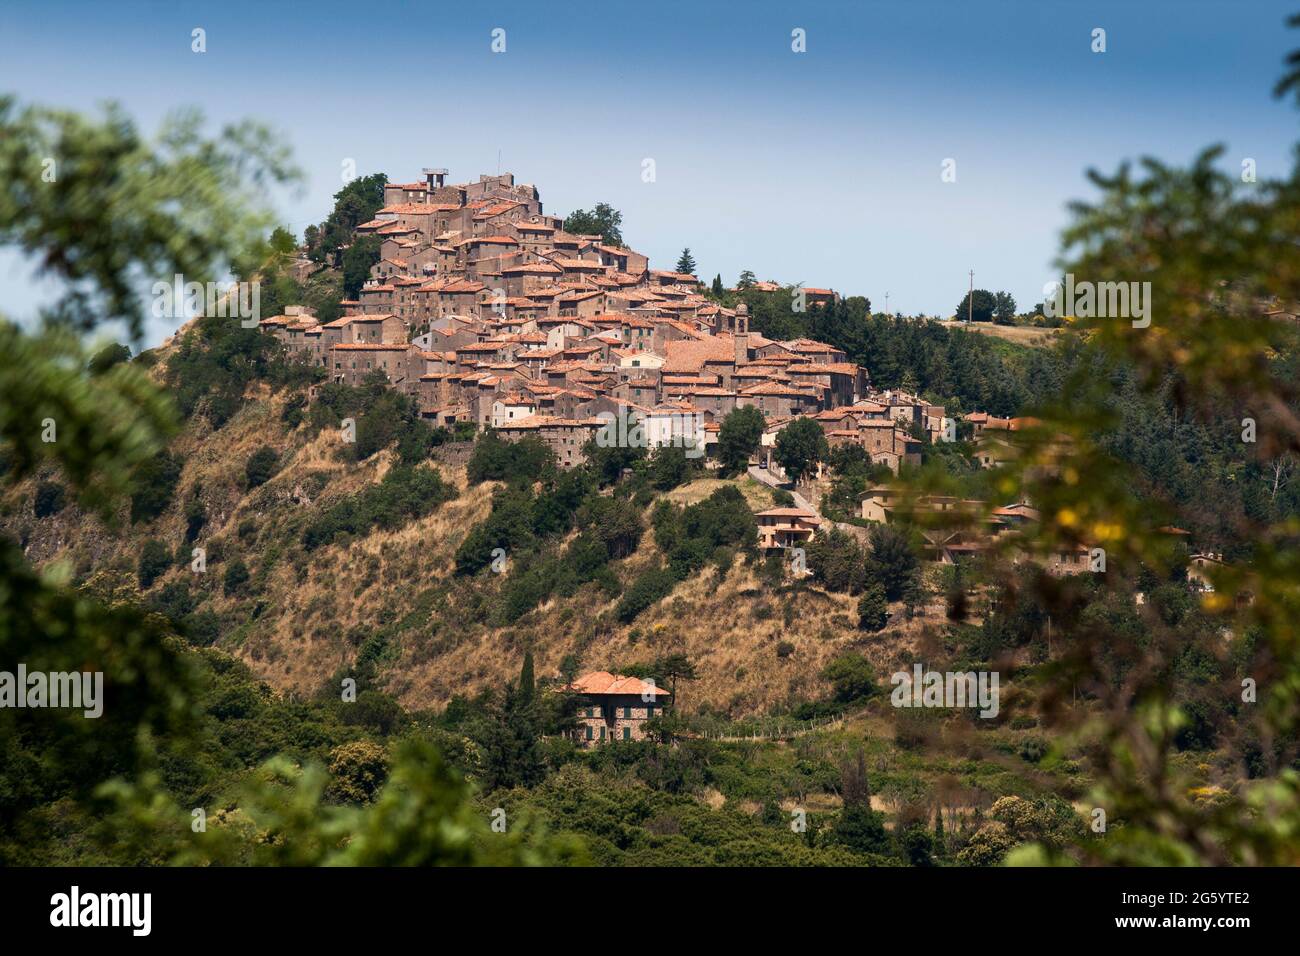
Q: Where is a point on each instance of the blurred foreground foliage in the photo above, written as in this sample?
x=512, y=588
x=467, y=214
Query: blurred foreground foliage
x=178, y=723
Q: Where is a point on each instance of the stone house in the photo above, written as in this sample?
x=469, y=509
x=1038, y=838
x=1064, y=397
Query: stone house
x=613, y=707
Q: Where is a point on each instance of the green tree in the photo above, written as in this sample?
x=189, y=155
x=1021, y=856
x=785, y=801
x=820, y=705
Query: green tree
x=527, y=683
x=892, y=562
x=982, y=311
x=509, y=740
x=358, y=770
x=739, y=437
x=110, y=355
x=155, y=484
x=873, y=611
x=355, y=203
x=358, y=257
x=614, y=522
x=858, y=827
x=196, y=516
x=852, y=678
x=602, y=220
x=674, y=668
x=837, y=562
x=1004, y=308
x=917, y=845
x=799, y=447
x=669, y=467
x=686, y=263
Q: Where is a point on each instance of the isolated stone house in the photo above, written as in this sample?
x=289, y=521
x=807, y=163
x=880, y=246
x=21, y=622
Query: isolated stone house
x=613, y=707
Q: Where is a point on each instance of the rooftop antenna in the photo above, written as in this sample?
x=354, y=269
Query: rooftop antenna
x=498, y=161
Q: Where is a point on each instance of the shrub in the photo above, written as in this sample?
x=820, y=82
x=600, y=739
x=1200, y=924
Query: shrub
x=495, y=459
x=837, y=562
x=155, y=484
x=196, y=517
x=614, y=522
x=236, y=576
x=691, y=537
x=1033, y=749
x=852, y=678
x=51, y=498
x=155, y=558
x=407, y=492
x=650, y=587
x=261, y=466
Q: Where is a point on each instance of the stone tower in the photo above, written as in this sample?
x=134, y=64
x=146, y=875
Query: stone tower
x=741, y=335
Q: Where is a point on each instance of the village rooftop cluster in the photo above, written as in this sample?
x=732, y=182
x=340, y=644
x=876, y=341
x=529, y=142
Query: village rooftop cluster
x=484, y=310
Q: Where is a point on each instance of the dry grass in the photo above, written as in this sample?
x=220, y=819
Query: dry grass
x=1019, y=334
x=757, y=495
x=318, y=607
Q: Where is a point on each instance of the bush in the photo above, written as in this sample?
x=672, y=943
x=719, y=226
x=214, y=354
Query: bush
x=614, y=522
x=155, y=558
x=236, y=576
x=509, y=527
x=406, y=493
x=51, y=498
x=196, y=517
x=649, y=588
x=694, y=536
x=155, y=484
x=1033, y=749
x=837, y=562
x=261, y=466
x=495, y=459
x=861, y=829
x=784, y=649
x=852, y=678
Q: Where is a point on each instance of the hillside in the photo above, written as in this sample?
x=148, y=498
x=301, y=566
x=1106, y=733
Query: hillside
x=303, y=616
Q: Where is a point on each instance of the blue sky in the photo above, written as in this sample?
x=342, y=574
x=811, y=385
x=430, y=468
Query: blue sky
x=821, y=167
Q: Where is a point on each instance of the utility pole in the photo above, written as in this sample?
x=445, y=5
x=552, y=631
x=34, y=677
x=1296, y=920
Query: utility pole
x=970, y=299
x=886, y=304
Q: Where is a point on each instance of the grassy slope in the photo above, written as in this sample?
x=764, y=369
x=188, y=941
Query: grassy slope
x=305, y=614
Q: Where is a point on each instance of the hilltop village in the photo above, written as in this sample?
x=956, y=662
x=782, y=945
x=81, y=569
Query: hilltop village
x=485, y=310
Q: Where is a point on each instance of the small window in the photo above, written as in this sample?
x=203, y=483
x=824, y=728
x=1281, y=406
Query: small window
x=627, y=733
x=589, y=732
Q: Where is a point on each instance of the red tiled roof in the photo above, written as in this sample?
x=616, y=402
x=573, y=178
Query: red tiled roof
x=603, y=682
